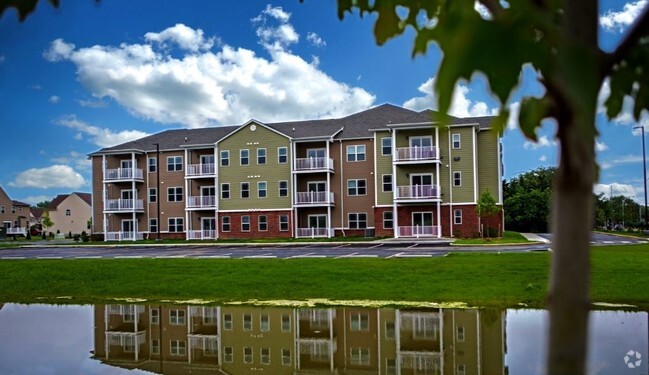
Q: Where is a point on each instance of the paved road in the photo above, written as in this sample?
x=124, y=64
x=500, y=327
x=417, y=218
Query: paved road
x=605, y=239
x=329, y=250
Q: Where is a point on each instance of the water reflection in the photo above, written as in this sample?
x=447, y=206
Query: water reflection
x=249, y=340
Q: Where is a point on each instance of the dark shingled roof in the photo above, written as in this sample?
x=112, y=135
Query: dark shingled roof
x=87, y=197
x=19, y=203
x=37, y=212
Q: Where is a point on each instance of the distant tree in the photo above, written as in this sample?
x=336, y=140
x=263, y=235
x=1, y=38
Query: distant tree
x=527, y=200
x=487, y=209
x=46, y=222
x=43, y=204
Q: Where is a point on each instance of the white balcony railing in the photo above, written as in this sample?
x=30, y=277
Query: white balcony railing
x=419, y=231
x=417, y=192
x=18, y=231
x=124, y=236
x=201, y=234
x=124, y=205
x=201, y=169
x=314, y=197
x=427, y=362
x=312, y=232
x=416, y=153
x=123, y=174
x=314, y=164
x=205, y=201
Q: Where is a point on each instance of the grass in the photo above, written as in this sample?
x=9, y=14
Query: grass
x=507, y=238
x=619, y=276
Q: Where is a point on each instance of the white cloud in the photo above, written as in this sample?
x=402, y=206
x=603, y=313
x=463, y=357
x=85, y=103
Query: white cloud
x=600, y=146
x=543, y=158
x=514, y=111
x=628, y=159
x=542, y=141
x=275, y=37
x=73, y=158
x=619, y=20
x=55, y=176
x=92, y=103
x=315, y=39
x=482, y=10
x=615, y=189
x=59, y=50
x=625, y=117
x=228, y=86
x=461, y=105
x=102, y=137
x=54, y=99
x=275, y=12
x=185, y=37
x=33, y=199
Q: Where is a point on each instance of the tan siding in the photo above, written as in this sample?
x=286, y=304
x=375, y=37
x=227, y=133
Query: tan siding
x=97, y=195
x=358, y=170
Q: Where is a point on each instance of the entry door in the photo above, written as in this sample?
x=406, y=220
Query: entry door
x=126, y=164
x=127, y=226
x=127, y=194
x=317, y=186
x=422, y=219
x=208, y=224
x=318, y=221
x=315, y=153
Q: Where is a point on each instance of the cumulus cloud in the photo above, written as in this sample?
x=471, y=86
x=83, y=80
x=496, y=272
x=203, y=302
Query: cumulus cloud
x=54, y=99
x=92, y=103
x=206, y=88
x=615, y=189
x=542, y=141
x=34, y=199
x=183, y=36
x=461, y=105
x=600, y=146
x=55, y=176
x=543, y=158
x=617, y=21
x=73, y=158
x=482, y=10
x=625, y=117
x=627, y=159
x=102, y=137
x=315, y=39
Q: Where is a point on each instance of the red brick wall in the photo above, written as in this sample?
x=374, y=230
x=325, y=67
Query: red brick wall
x=470, y=226
x=272, y=218
x=378, y=222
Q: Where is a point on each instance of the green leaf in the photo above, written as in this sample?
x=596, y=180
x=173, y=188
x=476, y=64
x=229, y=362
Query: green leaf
x=533, y=111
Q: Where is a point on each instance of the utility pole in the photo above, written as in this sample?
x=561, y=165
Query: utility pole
x=644, y=173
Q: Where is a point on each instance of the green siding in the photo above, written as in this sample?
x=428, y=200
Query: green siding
x=271, y=172
x=464, y=193
x=488, y=163
x=383, y=166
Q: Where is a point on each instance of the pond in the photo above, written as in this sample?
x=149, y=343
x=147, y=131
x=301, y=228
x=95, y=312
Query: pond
x=164, y=339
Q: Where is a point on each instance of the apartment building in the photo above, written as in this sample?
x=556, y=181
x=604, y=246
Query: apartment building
x=387, y=171
x=14, y=215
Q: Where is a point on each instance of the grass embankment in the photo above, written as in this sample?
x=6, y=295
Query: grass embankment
x=619, y=276
x=507, y=238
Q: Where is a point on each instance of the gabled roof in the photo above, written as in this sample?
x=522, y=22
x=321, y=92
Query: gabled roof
x=19, y=203
x=86, y=197
x=37, y=212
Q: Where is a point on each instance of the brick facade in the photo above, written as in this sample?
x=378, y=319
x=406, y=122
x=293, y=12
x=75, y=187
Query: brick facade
x=272, y=220
x=380, y=231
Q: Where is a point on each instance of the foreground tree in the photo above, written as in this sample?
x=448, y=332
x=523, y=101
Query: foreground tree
x=559, y=40
x=487, y=209
x=46, y=222
x=527, y=201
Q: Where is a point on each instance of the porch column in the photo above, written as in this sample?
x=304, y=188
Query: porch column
x=327, y=191
x=135, y=195
x=187, y=227
x=395, y=216
x=103, y=196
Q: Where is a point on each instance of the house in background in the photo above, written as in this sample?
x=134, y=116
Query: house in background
x=14, y=215
x=70, y=213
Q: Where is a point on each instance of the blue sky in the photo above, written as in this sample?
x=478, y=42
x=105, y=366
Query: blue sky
x=91, y=75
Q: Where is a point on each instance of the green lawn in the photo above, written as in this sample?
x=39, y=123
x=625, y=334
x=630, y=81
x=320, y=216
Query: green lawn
x=507, y=238
x=620, y=275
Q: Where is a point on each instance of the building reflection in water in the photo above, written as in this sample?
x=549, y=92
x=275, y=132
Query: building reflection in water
x=250, y=340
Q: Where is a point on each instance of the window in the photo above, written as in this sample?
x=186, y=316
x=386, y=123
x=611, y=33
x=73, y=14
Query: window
x=153, y=195
x=155, y=316
x=457, y=216
x=263, y=223
x=175, y=194
x=286, y=323
x=155, y=346
x=356, y=187
x=2, y=209
x=356, y=153
x=360, y=356
x=456, y=141
x=283, y=188
x=286, y=357
x=177, y=347
x=389, y=330
x=283, y=223
x=459, y=333
x=245, y=223
x=264, y=322
x=228, y=354
x=357, y=220
x=247, y=322
x=360, y=322
x=153, y=225
x=176, y=224
x=177, y=317
x=388, y=220
x=13, y=209
x=391, y=366
x=282, y=155
x=461, y=369
x=386, y=146
x=225, y=224
x=261, y=189
x=457, y=178
x=265, y=356
x=68, y=212
x=247, y=355
x=174, y=163
x=245, y=190
x=244, y=157
x=261, y=156
x=227, y=322
x=153, y=164
x=387, y=183
x=225, y=158
x=225, y=190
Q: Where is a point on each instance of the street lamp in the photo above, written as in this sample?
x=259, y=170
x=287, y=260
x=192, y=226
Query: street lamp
x=644, y=171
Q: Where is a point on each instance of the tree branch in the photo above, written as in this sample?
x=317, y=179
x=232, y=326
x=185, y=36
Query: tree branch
x=639, y=29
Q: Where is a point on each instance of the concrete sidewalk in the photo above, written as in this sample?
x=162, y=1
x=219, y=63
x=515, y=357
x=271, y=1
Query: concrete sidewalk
x=535, y=237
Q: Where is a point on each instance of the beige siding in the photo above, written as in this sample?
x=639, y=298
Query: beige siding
x=76, y=222
x=97, y=195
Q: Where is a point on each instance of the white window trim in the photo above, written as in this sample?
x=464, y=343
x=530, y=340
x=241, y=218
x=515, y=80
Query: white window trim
x=229, y=223
x=249, y=223
x=221, y=158
x=358, y=220
x=356, y=179
x=460, y=174
x=241, y=190
x=455, y=217
x=259, y=223
x=384, y=219
x=181, y=163
x=241, y=157
x=259, y=189
x=458, y=140
x=279, y=154
x=382, y=146
x=265, y=156
x=228, y=190
x=288, y=221
x=383, y=183
x=356, y=153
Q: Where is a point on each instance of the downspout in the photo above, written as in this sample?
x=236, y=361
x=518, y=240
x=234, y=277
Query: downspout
x=450, y=184
x=439, y=192
x=216, y=201
x=135, y=196
x=328, y=187
x=189, y=225
x=342, y=188
x=395, y=216
x=103, y=198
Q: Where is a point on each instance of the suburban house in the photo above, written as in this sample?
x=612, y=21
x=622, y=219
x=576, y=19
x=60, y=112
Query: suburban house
x=386, y=171
x=70, y=213
x=14, y=215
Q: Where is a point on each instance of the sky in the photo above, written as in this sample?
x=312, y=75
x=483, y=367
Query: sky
x=96, y=74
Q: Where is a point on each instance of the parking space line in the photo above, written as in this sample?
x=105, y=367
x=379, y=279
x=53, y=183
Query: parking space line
x=213, y=257
x=414, y=255
x=413, y=245
x=128, y=256
x=393, y=255
x=259, y=256
x=608, y=242
x=375, y=246
x=307, y=256
x=168, y=256
x=10, y=258
x=346, y=255
x=626, y=242
x=49, y=257
x=364, y=256
x=88, y=257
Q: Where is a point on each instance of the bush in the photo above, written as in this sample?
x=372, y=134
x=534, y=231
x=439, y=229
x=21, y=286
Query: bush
x=84, y=236
x=76, y=237
x=97, y=237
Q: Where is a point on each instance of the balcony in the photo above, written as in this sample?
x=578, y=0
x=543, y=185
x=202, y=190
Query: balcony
x=312, y=232
x=417, y=193
x=201, y=235
x=314, y=198
x=206, y=202
x=16, y=231
x=123, y=174
x=124, y=205
x=123, y=236
x=416, y=155
x=200, y=170
x=307, y=165
x=419, y=231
